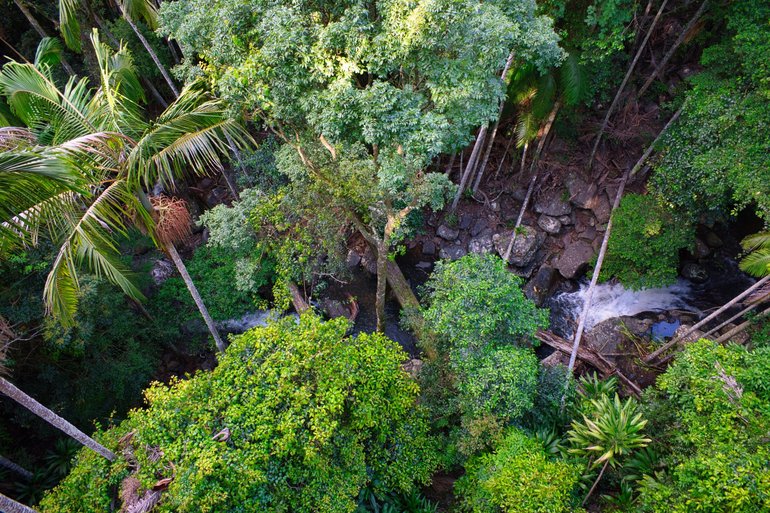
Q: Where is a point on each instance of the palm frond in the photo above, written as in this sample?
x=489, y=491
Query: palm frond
x=15, y=138
x=759, y=240
x=69, y=24
x=542, y=103
x=572, y=80
x=757, y=263
x=7, y=117
x=191, y=135
x=48, y=52
x=141, y=9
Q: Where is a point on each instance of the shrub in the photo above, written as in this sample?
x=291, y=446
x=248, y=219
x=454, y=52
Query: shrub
x=296, y=417
x=646, y=238
x=518, y=477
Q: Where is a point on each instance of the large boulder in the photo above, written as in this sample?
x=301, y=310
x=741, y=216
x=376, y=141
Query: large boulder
x=542, y=285
x=452, y=252
x=553, y=204
x=601, y=208
x=447, y=233
x=580, y=192
x=575, y=259
x=525, y=247
x=481, y=245
x=549, y=224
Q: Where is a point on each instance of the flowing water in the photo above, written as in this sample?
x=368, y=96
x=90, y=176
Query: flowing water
x=613, y=300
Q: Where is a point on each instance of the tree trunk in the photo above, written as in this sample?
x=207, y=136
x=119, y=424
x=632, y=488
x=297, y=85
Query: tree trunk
x=742, y=326
x=598, y=478
x=171, y=250
x=470, y=168
x=152, y=53
x=665, y=347
x=297, y=299
x=661, y=66
x=39, y=29
x=533, y=171
x=623, y=84
x=743, y=312
x=15, y=467
x=382, y=272
x=605, y=242
x=8, y=505
x=7, y=388
x=505, y=154
x=230, y=182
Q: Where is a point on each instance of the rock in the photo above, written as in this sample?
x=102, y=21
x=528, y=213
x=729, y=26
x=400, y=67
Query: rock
x=413, y=367
x=607, y=336
x=481, y=245
x=447, y=233
x=368, y=261
x=539, y=288
x=588, y=234
x=216, y=197
x=519, y=194
x=552, y=204
x=580, y=192
x=495, y=206
x=428, y=248
x=684, y=328
x=465, y=221
x=479, y=226
x=701, y=249
x=566, y=220
x=549, y=224
x=452, y=252
x=600, y=206
x=353, y=259
x=694, y=272
x=575, y=259
x=334, y=308
x=525, y=247
x=424, y=266
x=713, y=240
x=162, y=270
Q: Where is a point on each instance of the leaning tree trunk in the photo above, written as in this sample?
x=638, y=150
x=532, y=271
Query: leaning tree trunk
x=662, y=64
x=742, y=327
x=41, y=31
x=15, y=467
x=596, y=483
x=152, y=53
x=533, y=171
x=9, y=389
x=171, y=250
x=605, y=242
x=623, y=84
x=8, y=505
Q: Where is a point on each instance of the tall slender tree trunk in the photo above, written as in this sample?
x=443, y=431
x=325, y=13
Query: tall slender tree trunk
x=15, y=467
x=171, y=250
x=152, y=53
x=605, y=243
x=382, y=279
x=8, y=505
x=9, y=389
x=742, y=327
x=470, y=167
x=623, y=84
x=533, y=171
x=41, y=32
x=662, y=64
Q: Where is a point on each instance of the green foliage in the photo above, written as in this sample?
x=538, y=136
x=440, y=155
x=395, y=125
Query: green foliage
x=475, y=302
x=312, y=417
x=716, y=156
x=757, y=261
x=712, y=432
x=145, y=66
x=519, y=477
x=646, y=238
x=257, y=168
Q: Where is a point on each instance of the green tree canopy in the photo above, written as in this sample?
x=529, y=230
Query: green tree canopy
x=297, y=416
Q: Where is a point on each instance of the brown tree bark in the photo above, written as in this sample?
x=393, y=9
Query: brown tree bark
x=41, y=31
x=9, y=389
x=623, y=84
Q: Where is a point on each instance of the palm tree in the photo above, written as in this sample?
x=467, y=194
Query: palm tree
x=613, y=432
x=81, y=169
x=9, y=505
x=757, y=262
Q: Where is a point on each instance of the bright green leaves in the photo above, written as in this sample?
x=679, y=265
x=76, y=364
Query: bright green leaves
x=518, y=477
x=646, y=238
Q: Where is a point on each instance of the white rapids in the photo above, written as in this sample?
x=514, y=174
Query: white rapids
x=613, y=300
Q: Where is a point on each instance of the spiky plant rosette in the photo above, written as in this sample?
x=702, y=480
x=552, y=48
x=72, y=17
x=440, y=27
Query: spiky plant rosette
x=173, y=219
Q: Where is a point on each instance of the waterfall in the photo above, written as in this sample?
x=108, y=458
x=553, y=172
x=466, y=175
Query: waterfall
x=613, y=300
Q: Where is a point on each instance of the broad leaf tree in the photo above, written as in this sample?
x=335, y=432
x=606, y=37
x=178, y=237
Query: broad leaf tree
x=364, y=94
